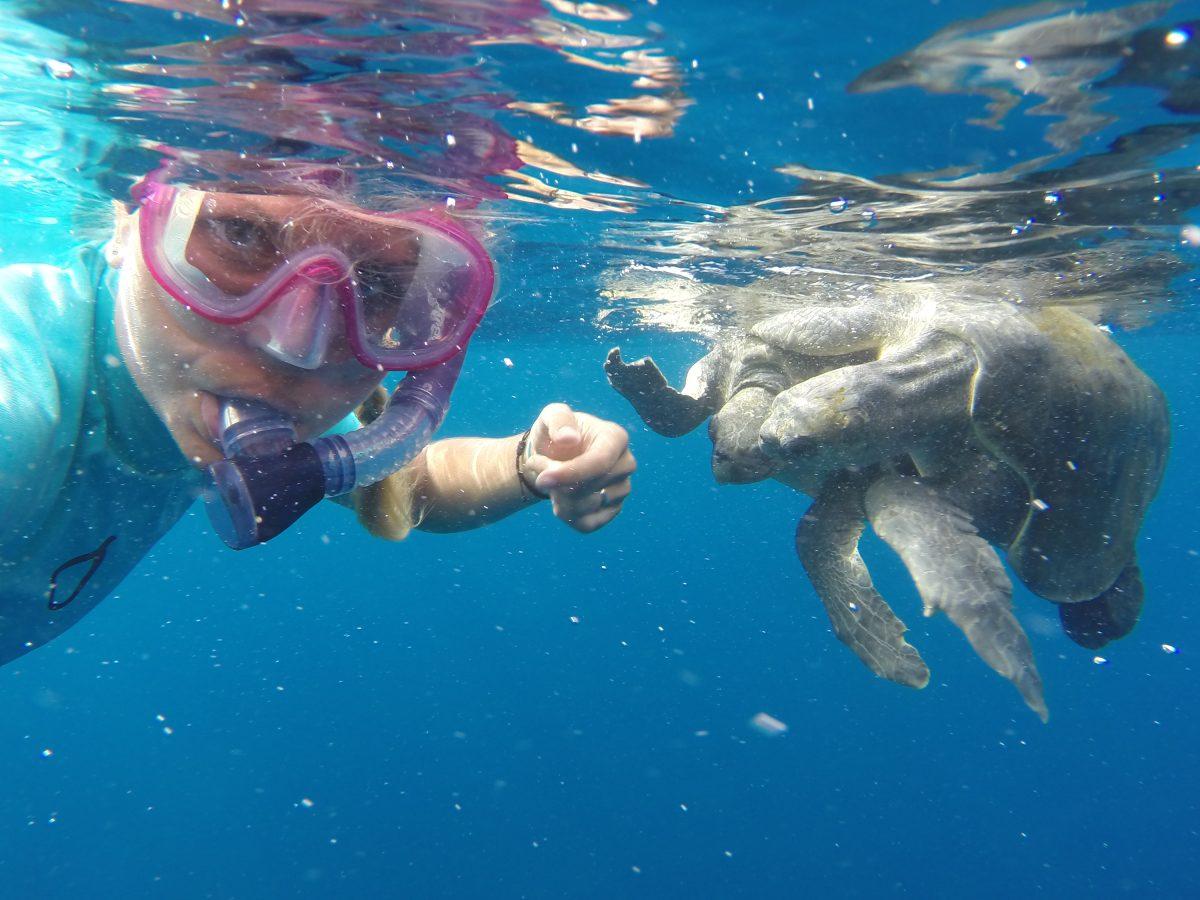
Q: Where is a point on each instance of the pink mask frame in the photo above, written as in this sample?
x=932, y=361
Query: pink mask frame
x=328, y=265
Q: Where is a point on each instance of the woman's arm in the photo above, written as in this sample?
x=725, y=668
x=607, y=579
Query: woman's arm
x=463, y=483
x=580, y=462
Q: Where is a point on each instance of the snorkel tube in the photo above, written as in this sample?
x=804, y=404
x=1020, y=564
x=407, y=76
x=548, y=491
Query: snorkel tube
x=269, y=479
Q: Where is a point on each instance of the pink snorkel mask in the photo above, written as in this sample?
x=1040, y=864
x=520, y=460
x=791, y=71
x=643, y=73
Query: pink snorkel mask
x=407, y=290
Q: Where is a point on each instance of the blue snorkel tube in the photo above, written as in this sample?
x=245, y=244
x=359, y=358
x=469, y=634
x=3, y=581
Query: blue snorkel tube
x=269, y=479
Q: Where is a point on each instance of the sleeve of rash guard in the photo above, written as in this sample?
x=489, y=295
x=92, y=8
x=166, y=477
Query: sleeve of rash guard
x=30, y=413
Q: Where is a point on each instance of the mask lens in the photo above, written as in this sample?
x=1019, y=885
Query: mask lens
x=236, y=245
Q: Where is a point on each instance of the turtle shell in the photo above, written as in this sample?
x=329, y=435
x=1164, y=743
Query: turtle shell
x=1086, y=430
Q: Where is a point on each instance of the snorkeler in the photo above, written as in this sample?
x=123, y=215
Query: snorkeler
x=215, y=344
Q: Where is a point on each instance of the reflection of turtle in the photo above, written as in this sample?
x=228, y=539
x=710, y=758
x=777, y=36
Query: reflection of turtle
x=949, y=426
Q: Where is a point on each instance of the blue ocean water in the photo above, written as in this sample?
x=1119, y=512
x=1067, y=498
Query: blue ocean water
x=522, y=711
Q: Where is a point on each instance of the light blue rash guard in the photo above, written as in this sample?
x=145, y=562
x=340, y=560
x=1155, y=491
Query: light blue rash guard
x=83, y=457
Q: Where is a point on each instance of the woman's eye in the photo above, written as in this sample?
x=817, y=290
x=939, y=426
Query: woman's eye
x=241, y=234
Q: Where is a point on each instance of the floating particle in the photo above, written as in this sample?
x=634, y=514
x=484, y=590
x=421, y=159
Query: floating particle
x=1177, y=37
x=160, y=717
x=508, y=363
x=47, y=753
x=1021, y=63
x=766, y=724
x=306, y=803
x=1191, y=234
x=1099, y=660
x=810, y=104
x=574, y=620
x=167, y=729
x=1051, y=198
x=683, y=806
x=451, y=140
x=1071, y=465
x=869, y=217
x=838, y=204
x=853, y=607
x=1170, y=648
x=56, y=68
x=729, y=853
x=1040, y=505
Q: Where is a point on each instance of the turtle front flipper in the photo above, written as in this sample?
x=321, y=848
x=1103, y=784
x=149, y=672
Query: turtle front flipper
x=958, y=572
x=1094, y=623
x=669, y=412
x=827, y=544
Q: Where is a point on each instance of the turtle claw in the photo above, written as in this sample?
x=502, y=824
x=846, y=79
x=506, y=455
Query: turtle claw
x=827, y=544
x=956, y=571
x=664, y=409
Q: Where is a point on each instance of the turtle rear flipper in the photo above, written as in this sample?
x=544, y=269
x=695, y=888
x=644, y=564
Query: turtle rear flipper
x=958, y=572
x=827, y=544
x=669, y=412
x=1112, y=615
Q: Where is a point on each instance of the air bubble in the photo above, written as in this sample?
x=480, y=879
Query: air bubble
x=838, y=204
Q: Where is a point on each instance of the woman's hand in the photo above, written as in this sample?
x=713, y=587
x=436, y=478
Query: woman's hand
x=581, y=462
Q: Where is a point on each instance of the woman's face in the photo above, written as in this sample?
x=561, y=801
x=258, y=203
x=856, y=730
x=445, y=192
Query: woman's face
x=183, y=364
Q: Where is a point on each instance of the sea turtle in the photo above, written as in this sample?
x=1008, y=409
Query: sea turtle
x=950, y=426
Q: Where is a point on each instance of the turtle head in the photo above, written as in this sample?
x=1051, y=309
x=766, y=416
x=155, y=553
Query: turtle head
x=737, y=456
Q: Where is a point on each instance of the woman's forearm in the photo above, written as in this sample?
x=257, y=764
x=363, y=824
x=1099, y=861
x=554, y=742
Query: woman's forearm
x=463, y=483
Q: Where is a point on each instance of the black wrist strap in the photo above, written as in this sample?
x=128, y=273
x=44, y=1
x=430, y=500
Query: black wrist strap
x=527, y=490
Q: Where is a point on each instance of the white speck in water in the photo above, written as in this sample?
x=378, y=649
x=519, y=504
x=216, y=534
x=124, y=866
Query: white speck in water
x=47, y=753
x=1170, y=648
x=1071, y=465
x=111, y=361
x=1099, y=660
x=1051, y=198
x=574, y=620
x=1040, y=505
x=810, y=104
x=161, y=717
x=306, y=803
x=766, y=724
x=838, y=204
x=451, y=140
x=508, y=362
x=853, y=607
x=56, y=68
x=1021, y=63
x=1191, y=235
x=167, y=729
x=761, y=95
x=1177, y=37
x=683, y=806
x=695, y=63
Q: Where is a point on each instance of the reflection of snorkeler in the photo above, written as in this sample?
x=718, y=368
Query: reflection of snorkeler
x=230, y=330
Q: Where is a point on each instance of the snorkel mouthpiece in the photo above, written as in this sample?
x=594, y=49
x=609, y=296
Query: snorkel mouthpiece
x=268, y=479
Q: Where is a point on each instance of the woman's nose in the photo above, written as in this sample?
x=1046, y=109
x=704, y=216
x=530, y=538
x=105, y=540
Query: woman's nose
x=301, y=324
